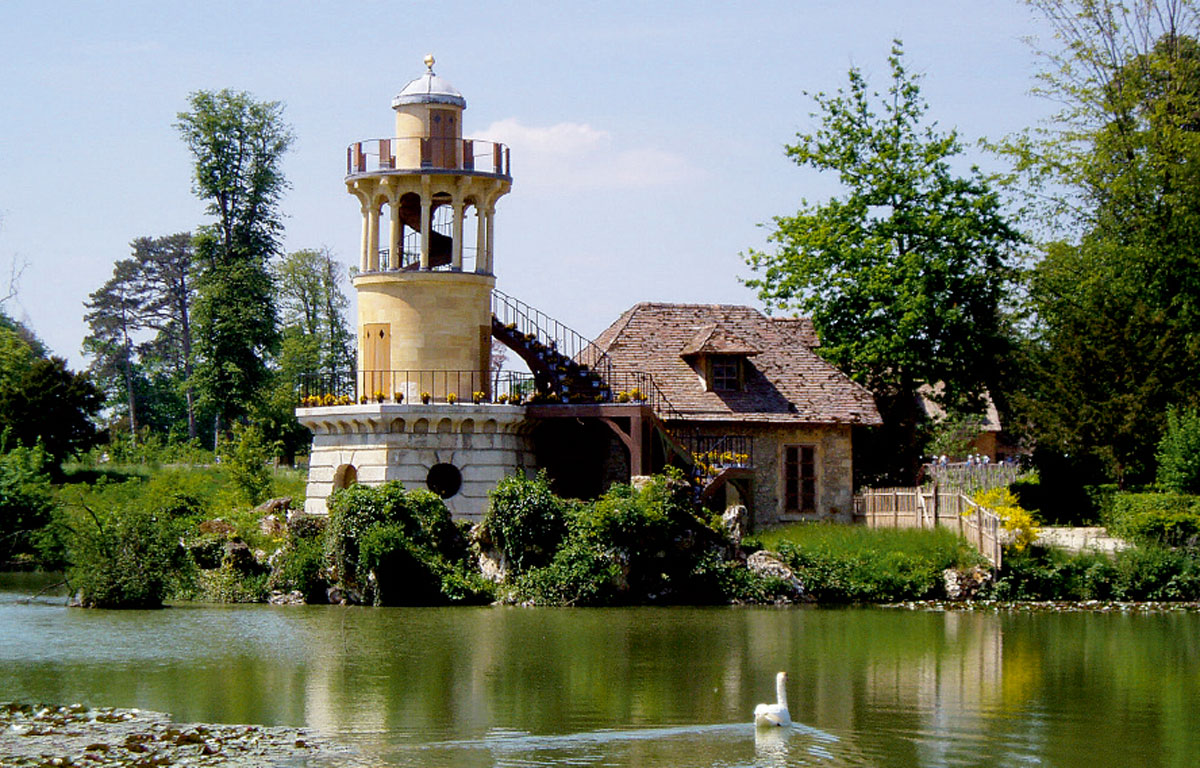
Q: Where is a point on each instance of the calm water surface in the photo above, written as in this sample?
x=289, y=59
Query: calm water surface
x=637, y=687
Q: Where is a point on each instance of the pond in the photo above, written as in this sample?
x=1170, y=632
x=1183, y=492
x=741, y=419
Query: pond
x=640, y=686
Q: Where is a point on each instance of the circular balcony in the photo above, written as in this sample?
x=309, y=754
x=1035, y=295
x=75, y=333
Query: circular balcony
x=421, y=155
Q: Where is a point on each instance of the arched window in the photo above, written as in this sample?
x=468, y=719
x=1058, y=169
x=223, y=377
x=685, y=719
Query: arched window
x=345, y=476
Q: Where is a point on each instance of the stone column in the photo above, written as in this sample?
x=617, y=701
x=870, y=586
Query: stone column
x=364, y=262
x=457, y=254
x=396, y=236
x=373, y=238
x=489, y=215
x=480, y=239
x=426, y=221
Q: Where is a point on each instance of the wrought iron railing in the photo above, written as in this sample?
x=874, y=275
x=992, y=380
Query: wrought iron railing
x=412, y=386
x=410, y=258
x=532, y=322
x=639, y=387
x=714, y=453
x=416, y=153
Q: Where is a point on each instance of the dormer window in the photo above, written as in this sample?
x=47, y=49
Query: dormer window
x=719, y=356
x=726, y=373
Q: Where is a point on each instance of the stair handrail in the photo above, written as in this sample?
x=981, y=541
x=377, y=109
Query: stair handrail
x=567, y=341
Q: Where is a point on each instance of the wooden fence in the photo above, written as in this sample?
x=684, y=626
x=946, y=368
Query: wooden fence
x=928, y=508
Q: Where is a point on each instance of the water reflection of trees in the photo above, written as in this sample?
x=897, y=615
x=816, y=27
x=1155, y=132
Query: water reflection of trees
x=908, y=688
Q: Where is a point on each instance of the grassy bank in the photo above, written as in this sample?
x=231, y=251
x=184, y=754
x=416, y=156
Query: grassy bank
x=851, y=564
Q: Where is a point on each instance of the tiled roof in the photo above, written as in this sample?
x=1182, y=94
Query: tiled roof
x=785, y=382
x=713, y=339
x=800, y=328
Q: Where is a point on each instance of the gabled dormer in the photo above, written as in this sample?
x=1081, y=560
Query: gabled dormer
x=719, y=357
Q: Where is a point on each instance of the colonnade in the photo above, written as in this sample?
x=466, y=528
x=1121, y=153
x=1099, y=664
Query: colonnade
x=460, y=192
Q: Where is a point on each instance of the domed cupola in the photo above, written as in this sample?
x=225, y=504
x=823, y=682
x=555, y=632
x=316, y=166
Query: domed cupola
x=430, y=108
x=429, y=89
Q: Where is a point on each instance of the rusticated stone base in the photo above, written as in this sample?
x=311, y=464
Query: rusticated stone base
x=375, y=443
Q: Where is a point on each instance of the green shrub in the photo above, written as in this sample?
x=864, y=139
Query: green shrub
x=1100, y=500
x=1135, y=574
x=393, y=546
x=1156, y=573
x=715, y=578
x=303, y=527
x=581, y=573
x=248, y=457
x=1179, y=452
x=127, y=558
x=637, y=546
x=525, y=521
x=1028, y=490
x=1041, y=573
x=1167, y=519
x=300, y=567
x=25, y=502
x=228, y=584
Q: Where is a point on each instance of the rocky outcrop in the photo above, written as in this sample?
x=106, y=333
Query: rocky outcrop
x=736, y=522
x=965, y=584
x=768, y=565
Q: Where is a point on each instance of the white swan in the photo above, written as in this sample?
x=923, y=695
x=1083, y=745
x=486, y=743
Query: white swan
x=766, y=715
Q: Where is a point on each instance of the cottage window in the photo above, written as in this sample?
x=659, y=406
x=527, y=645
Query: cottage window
x=799, y=478
x=726, y=373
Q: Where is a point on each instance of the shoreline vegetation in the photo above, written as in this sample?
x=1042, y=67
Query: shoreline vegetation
x=142, y=536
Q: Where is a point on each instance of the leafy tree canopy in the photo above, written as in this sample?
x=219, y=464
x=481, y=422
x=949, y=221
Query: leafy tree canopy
x=238, y=145
x=906, y=274
x=1115, y=176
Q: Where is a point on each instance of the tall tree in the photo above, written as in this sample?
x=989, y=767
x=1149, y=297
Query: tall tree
x=238, y=145
x=114, y=318
x=150, y=291
x=166, y=280
x=1116, y=173
x=313, y=308
x=905, y=274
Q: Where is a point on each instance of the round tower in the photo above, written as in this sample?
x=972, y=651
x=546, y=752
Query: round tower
x=425, y=280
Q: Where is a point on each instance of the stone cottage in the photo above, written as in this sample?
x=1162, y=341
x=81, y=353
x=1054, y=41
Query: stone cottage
x=735, y=377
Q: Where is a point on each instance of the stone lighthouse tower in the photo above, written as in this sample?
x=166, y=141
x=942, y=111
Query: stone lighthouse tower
x=420, y=407
x=425, y=278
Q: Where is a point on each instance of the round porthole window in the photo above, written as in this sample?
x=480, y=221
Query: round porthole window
x=444, y=479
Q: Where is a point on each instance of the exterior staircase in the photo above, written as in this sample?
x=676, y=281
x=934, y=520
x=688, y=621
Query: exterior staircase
x=566, y=366
x=569, y=369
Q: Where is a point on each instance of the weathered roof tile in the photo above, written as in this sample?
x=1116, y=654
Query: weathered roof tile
x=785, y=381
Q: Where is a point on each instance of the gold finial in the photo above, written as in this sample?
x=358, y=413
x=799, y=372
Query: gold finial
x=429, y=62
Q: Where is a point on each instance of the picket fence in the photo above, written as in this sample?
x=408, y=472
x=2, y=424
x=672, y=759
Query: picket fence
x=930, y=507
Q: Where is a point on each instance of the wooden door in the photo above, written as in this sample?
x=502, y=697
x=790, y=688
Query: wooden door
x=443, y=131
x=377, y=360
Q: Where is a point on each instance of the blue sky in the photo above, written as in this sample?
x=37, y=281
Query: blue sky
x=647, y=138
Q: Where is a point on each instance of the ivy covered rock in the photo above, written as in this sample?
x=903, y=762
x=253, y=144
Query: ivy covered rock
x=390, y=546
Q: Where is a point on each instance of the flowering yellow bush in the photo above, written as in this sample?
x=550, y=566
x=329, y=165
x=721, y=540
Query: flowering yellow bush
x=1017, y=521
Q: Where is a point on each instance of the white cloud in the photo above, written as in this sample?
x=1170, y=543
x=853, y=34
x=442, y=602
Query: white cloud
x=578, y=156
